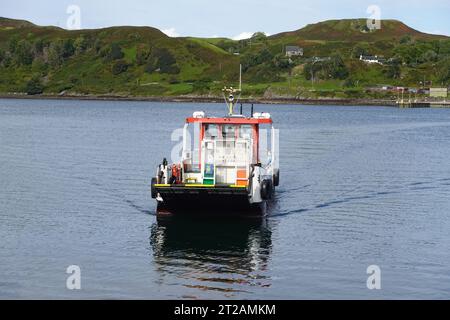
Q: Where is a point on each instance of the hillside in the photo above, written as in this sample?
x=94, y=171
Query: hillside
x=356, y=30
x=6, y=23
x=143, y=61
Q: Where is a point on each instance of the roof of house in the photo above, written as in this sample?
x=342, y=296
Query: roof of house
x=369, y=57
x=293, y=48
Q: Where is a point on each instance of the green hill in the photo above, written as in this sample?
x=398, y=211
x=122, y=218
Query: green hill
x=356, y=30
x=143, y=61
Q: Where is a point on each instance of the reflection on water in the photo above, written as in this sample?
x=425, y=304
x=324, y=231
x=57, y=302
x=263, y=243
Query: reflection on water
x=214, y=254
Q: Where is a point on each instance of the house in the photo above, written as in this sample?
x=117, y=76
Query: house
x=372, y=59
x=438, y=92
x=294, y=51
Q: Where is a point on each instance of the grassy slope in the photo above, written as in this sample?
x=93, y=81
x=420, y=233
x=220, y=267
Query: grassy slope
x=203, y=59
x=197, y=60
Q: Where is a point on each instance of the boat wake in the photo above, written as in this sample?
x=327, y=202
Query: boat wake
x=410, y=187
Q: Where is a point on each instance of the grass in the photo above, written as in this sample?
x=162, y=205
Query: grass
x=205, y=66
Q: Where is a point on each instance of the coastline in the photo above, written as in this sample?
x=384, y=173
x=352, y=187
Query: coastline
x=211, y=99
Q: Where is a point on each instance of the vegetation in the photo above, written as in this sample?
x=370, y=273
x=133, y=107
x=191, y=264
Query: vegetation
x=142, y=61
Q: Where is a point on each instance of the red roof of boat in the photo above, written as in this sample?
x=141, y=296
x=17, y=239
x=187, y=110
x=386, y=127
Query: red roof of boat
x=230, y=120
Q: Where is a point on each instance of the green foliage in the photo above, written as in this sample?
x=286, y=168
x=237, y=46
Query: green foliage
x=142, y=61
x=81, y=44
x=251, y=60
x=142, y=55
x=23, y=53
x=55, y=54
x=201, y=86
x=116, y=52
x=429, y=56
x=444, y=71
x=38, y=46
x=34, y=86
x=119, y=67
x=331, y=68
x=68, y=48
x=160, y=59
x=282, y=62
x=406, y=39
x=112, y=52
x=393, y=71
x=360, y=49
x=259, y=36
x=13, y=44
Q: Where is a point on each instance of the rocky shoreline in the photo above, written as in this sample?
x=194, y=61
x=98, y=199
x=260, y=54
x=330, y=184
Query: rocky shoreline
x=211, y=99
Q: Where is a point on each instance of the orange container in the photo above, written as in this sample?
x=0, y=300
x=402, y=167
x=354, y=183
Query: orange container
x=242, y=179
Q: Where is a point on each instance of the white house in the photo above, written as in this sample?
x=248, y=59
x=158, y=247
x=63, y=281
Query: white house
x=372, y=59
x=294, y=51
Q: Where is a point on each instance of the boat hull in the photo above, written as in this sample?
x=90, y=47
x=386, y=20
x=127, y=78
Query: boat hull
x=211, y=201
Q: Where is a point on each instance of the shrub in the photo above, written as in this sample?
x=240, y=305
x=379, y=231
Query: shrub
x=119, y=67
x=34, y=86
x=116, y=52
x=23, y=53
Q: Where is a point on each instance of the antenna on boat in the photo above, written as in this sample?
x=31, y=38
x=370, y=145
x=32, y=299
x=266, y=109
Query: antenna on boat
x=230, y=99
x=240, y=77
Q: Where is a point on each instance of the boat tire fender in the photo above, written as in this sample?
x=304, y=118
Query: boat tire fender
x=276, y=177
x=153, y=188
x=266, y=189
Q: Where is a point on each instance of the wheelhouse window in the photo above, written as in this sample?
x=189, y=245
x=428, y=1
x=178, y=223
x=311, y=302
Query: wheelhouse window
x=229, y=131
x=212, y=131
x=245, y=132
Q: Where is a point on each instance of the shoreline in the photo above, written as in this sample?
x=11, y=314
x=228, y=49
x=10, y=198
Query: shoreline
x=204, y=99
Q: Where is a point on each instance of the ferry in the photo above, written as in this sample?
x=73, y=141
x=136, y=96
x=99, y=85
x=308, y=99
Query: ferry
x=228, y=164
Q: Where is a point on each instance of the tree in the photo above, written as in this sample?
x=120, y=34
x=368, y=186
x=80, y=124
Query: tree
x=393, y=71
x=142, y=55
x=13, y=45
x=281, y=62
x=444, y=71
x=55, y=54
x=68, y=48
x=429, y=56
x=23, y=53
x=116, y=52
x=331, y=68
x=338, y=69
x=38, y=47
x=34, y=86
x=119, y=67
x=259, y=36
x=80, y=44
x=97, y=45
x=360, y=50
x=406, y=39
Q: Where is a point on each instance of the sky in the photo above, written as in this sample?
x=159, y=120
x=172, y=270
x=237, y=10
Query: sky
x=231, y=18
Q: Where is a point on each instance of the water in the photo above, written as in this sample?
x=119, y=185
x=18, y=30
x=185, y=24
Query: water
x=360, y=186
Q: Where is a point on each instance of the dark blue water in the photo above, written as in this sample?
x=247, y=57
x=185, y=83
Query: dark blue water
x=360, y=186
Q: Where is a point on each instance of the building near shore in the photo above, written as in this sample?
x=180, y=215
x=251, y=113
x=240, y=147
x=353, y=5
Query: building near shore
x=438, y=92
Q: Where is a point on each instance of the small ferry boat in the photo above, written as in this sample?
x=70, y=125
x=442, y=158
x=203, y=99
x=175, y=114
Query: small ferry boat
x=228, y=164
